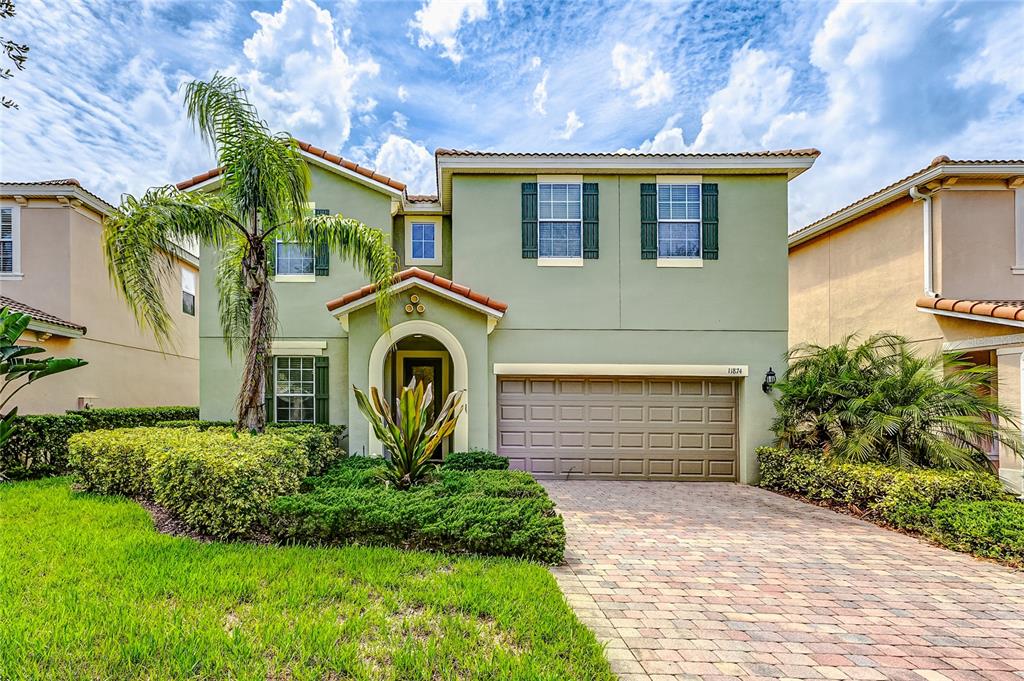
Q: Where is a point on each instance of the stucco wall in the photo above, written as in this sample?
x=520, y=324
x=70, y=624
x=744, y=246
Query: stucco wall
x=977, y=241
x=45, y=258
x=1010, y=364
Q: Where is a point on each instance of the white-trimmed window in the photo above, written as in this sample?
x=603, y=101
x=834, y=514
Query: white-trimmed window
x=679, y=233
x=10, y=241
x=294, y=389
x=293, y=258
x=188, y=292
x=560, y=220
x=423, y=240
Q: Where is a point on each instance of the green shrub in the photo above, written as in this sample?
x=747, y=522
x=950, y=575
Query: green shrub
x=903, y=498
x=486, y=512
x=217, y=481
x=39, y=446
x=475, y=460
x=994, y=529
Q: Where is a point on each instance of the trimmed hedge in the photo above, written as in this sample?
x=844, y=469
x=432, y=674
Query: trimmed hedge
x=993, y=529
x=475, y=460
x=39, y=446
x=505, y=513
x=216, y=481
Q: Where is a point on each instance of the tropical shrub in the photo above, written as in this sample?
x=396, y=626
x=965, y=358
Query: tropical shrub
x=20, y=367
x=217, y=481
x=39, y=445
x=475, y=460
x=877, y=402
x=409, y=434
x=994, y=529
x=486, y=512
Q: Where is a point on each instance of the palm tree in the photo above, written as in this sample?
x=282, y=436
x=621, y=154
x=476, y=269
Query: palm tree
x=262, y=198
x=877, y=401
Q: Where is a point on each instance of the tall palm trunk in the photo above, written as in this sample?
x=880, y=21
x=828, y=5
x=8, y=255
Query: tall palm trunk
x=262, y=319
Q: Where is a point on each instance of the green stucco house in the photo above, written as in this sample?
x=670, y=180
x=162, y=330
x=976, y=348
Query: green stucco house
x=608, y=315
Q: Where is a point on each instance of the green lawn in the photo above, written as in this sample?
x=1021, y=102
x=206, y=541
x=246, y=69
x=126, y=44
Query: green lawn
x=88, y=590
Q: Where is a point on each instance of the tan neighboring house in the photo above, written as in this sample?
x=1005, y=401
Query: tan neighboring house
x=52, y=267
x=937, y=257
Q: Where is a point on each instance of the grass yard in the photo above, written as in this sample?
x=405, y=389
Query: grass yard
x=88, y=590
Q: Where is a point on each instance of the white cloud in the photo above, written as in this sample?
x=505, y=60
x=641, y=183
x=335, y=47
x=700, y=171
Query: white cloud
x=572, y=124
x=299, y=76
x=403, y=93
x=407, y=161
x=668, y=140
x=400, y=121
x=637, y=72
x=438, y=23
x=535, y=63
x=540, y=94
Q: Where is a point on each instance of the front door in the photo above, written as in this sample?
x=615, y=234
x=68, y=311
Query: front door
x=425, y=370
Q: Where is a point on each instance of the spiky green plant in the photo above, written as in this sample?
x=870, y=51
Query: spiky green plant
x=410, y=434
x=262, y=197
x=876, y=401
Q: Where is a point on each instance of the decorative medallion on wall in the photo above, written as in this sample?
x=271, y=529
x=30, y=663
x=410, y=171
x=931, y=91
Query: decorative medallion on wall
x=414, y=305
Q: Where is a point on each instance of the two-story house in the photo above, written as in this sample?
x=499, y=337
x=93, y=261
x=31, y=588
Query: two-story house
x=608, y=315
x=52, y=267
x=937, y=257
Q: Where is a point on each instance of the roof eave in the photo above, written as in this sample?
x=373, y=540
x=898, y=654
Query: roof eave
x=44, y=191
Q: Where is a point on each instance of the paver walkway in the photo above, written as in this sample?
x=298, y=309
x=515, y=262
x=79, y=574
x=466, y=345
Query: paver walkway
x=721, y=581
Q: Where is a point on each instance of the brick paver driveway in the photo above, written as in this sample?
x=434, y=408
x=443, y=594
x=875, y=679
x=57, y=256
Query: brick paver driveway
x=717, y=581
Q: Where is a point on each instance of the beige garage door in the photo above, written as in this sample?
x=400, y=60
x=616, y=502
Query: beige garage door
x=639, y=428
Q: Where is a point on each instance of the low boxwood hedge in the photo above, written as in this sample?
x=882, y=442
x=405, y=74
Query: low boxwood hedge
x=504, y=513
x=475, y=460
x=217, y=481
x=39, y=446
x=967, y=510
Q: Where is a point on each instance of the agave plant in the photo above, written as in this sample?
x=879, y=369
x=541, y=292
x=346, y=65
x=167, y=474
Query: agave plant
x=411, y=433
x=877, y=401
x=17, y=370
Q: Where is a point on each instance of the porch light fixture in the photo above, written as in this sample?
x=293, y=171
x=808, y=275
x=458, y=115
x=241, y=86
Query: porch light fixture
x=769, y=381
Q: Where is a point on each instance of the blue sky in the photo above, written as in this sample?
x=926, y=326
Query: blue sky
x=880, y=88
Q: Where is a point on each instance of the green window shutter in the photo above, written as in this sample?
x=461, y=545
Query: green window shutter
x=268, y=390
x=529, y=219
x=271, y=247
x=590, y=221
x=321, y=386
x=709, y=220
x=648, y=221
x=322, y=264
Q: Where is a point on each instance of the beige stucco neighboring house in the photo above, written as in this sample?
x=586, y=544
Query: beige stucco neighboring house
x=52, y=267
x=937, y=257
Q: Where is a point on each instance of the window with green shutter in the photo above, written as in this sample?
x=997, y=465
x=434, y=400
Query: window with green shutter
x=529, y=219
x=591, y=232
x=322, y=384
x=709, y=220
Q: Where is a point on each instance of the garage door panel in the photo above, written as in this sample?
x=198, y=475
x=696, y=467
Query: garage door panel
x=633, y=428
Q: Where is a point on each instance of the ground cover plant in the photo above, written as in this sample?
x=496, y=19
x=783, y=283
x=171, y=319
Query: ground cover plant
x=876, y=401
x=967, y=510
x=491, y=512
x=89, y=590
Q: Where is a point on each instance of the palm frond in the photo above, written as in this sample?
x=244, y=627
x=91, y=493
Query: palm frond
x=233, y=306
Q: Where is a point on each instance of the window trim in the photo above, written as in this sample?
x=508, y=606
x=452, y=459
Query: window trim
x=559, y=260
x=680, y=260
x=435, y=220
x=311, y=395
x=293, y=277
x=15, y=274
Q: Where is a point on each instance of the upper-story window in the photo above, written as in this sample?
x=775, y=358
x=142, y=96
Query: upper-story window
x=10, y=218
x=560, y=220
x=188, y=292
x=423, y=240
x=293, y=258
x=679, y=221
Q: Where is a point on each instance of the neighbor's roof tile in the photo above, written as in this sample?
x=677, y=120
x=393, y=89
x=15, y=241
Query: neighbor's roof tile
x=1012, y=310
x=38, y=314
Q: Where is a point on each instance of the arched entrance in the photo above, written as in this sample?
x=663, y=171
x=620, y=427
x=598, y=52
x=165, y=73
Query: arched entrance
x=460, y=365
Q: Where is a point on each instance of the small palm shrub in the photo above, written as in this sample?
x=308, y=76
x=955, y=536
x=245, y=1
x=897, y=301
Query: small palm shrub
x=877, y=402
x=409, y=433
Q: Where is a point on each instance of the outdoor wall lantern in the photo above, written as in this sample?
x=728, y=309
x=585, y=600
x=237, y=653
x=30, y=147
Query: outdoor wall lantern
x=769, y=381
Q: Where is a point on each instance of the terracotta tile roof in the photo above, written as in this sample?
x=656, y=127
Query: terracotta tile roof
x=586, y=154
x=421, y=198
x=429, y=277
x=101, y=204
x=38, y=315
x=315, y=151
x=937, y=161
x=1012, y=310
x=65, y=181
